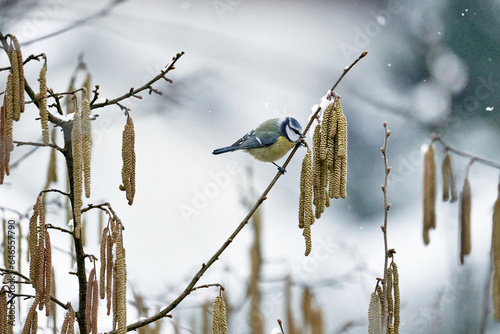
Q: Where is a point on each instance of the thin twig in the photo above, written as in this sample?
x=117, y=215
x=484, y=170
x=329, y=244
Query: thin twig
x=480, y=160
x=208, y=286
x=58, y=228
x=30, y=143
x=387, y=206
x=134, y=92
x=281, y=326
x=215, y=257
x=14, y=272
x=77, y=23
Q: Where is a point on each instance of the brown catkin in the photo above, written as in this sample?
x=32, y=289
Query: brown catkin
x=374, y=315
x=109, y=272
x=3, y=141
x=343, y=178
x=53, y=306
x=306, y=192
x=33, y=242
x=9, y=120
x=325, y=127
x=52, y=169
x=115, y=297
x=335, y=175
x=306, y=305
x=429, y=193
x=87, y=144
x=102, y=275
x=95, y=304
x=77, y=171
x=397, y=298
x=290, y=316
x=68, y=326
x=42, y=104
x=15, y=83
x=390, y=301
x=3, y=311
x=307, y=236
x=5, y=244
x=317, y=324
x=465, y=228
x=445, y=172
x=219, y=325
x=48, y=273
x=380, y=293
x=342, y=136
x=31, y=321
x=40, y=281
x=17, y=48
x=128, y=157
x=495, y=254
x=316, y=163
x=88, y=302
x=323, y=171
x=121, y=276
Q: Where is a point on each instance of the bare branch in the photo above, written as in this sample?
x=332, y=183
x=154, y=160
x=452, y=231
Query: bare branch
x=474, y=158
x=134, y=92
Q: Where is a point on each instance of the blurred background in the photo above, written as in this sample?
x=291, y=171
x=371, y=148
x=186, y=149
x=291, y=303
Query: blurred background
x=433, y=66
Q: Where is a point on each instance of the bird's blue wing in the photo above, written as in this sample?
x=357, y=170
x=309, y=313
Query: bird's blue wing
x=250, y=140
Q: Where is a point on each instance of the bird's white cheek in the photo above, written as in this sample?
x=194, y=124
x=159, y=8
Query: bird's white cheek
x=294, y=137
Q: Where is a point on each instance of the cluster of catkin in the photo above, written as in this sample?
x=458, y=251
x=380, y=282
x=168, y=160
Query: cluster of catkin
x=13, y=104
x=465, y=206
x=113, y=275
x=82, y=143
x=128, y=157
x=312, y=315
x=40, y=264
x=92, y=302
x=256, y=319
x=219, y=324
x=5, y=320
x=376, y=315
x=68, y=326
x=449, y=194
x=324, y=172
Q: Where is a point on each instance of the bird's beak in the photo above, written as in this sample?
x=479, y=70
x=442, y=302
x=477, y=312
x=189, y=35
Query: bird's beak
x=302, y=135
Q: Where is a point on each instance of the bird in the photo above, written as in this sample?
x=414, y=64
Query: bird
x=270, y=141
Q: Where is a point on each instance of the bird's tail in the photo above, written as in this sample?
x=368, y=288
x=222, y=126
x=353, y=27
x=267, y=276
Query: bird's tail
x=225, y=149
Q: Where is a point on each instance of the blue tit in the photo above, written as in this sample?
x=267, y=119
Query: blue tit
x=270, y=141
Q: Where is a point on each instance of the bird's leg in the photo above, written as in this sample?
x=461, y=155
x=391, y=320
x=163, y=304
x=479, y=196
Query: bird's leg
x=281, y=169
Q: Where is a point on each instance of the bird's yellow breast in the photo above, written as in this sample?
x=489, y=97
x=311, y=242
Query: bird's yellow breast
x=273, y=152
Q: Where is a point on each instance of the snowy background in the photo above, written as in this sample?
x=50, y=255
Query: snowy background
x=433, y=66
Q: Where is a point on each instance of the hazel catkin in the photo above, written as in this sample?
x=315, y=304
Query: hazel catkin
x=128, y=157
x=42, y=104
x=219, y=325
x=77, y=171
x=465, y=221
x=87, y=144
x=374, y=315
x=429, y=193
